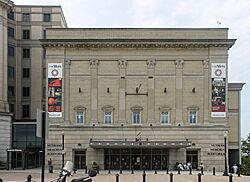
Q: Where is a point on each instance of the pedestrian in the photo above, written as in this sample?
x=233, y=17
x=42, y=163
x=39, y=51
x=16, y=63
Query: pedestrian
x=50, y=165
x=235, y=168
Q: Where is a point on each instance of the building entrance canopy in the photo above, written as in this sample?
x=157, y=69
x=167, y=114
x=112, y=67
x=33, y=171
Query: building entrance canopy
x=138, y=144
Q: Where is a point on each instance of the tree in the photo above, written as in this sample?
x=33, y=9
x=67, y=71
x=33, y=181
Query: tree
x=245, y=151
x=245, y=146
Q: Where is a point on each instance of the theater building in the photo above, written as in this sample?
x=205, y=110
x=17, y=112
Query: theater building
x=135, y=98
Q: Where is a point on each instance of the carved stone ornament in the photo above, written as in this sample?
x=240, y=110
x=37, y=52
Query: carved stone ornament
x=151, y=63
x=108, y=108
x=93, y=63
x=206, y=63
x=80, y=108
x=164, y=108
x=179, y=63
x=67, y=61
x=136, y=108
x=122, y=63
x=193, y=108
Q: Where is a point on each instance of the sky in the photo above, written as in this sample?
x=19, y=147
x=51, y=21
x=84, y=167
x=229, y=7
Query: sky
x=232, y=14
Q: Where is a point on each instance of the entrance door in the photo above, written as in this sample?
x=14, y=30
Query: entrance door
x=192, y=156
x=125, y=159
x=80, y=159
x=16, y=161
x=136, y=159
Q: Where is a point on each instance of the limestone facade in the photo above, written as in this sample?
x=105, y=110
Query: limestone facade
x=134, y=77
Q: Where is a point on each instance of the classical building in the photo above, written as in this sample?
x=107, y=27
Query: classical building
x=23, y=79
x=134, y=98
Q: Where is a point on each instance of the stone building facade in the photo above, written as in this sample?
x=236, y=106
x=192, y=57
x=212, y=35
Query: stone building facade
x=141, y=98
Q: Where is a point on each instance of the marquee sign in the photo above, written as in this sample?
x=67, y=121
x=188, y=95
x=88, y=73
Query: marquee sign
x=55, y=89
x=218, y=76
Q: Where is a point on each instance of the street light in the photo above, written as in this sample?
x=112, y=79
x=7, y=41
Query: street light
x=225, y=153
x=63, y=152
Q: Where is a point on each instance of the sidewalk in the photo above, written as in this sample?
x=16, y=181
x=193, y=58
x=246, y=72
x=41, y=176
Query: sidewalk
x=20, y=176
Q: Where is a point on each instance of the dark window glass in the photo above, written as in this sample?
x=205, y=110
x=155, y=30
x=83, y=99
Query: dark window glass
x=26, y=72
x=26, y=17
x=11, y=32
x=26, y=110
x=47, y=17
x=11, y=108
x=26, y=91
x=44, y=34
x=11, y=51
x=11, y=15
x=26, y=53
x=44, y=72
x=26, y=34
x=11, y=91
x=44, y=53
x=11, y=72
x=44, y=92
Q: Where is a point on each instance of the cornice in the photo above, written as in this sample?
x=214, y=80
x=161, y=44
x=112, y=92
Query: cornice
x=138, y=43
x=6, y=4
x=235, y=86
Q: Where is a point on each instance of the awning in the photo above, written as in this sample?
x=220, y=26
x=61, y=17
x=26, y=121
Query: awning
x=138, y=144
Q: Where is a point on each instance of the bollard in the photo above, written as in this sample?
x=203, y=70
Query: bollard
x=74, y=170
x=29, y=177
x=144, y=172
x=86, y=170
x=179, y=170
x=202, y=170
x=117, y=177
x=132, y=172
x=171, y=177
x=1, y=180
x=155, y=170
x=144, y=177
x=230, y=178
x=167, y=170
x=214, y=171
x=199, y=177
x=109, y=171
x=120, y=170
x=238, y=172
x=190, y=170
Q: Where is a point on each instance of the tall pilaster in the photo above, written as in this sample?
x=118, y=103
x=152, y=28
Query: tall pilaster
x=66, y=90
x=122, y=63
x=206, y=92
x=94, y=90
x=5, y=6
x=151, y=90
x=178, y=90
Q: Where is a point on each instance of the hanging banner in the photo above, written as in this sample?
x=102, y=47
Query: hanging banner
x=218, y=76
x=55, y=89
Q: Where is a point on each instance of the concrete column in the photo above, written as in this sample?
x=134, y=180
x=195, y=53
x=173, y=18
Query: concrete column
x=206, y=99
x=151, y=90
x=178, y=90
x=122, y=63
x=94, y=90
x=66, y=92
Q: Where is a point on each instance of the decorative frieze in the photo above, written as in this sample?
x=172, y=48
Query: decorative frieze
x=151, y=63
x=93, y=63
x=122, y=63
x=179, y=63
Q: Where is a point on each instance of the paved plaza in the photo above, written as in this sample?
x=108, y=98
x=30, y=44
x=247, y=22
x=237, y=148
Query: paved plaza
x=20, y=175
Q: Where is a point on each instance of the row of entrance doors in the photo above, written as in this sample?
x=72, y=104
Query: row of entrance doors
x=137, y=159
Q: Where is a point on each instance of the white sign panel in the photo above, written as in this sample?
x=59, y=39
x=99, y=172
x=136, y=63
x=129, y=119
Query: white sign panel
x=54, y=70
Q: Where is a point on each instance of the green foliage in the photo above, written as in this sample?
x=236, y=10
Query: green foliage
x=245, y=146
x=245, y=168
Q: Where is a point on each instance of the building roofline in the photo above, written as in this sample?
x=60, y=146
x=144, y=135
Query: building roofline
x=235, y=86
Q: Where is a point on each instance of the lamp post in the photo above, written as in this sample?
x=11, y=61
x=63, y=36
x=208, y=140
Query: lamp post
x=225, y=153
x=63, y=149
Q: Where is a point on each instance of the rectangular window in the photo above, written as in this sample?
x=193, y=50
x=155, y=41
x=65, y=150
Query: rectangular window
x=11, y=51
x=44, y=92
x=26, y=34
x=136, y=117
x=11, y=15
x=192, y=117
x=11, y=32
x=11, y=91
x=26, y=72
x=11, y=108
x=26, y=91
x=26, y=53
x=47, y=17
x=26, y=111
x=164, y=117
x=79, y=117
x=11, y=72
x=107, y=117
x=26, y=17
